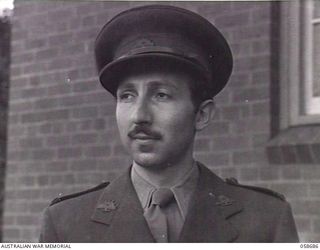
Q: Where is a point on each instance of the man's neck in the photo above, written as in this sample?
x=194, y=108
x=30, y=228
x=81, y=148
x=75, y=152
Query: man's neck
x=166, y=176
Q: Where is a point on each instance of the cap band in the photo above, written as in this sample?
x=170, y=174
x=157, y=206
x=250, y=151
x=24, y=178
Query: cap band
x=162, y=43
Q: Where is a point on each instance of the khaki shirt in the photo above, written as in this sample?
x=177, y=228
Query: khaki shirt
x=177, y=210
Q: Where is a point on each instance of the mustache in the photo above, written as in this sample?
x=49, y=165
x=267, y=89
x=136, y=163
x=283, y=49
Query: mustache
x=145, y=130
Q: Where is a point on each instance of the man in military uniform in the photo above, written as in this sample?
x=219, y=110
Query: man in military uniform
x=164, y=65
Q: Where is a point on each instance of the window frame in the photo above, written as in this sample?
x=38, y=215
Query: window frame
x=311, y=102
x=293, y=66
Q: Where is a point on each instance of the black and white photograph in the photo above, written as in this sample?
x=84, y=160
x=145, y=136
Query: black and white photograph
x=160, y=122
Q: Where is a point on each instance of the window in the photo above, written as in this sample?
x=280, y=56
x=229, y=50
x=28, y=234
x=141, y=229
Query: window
x=297, y=139
x=311, y=27
x=300, y=63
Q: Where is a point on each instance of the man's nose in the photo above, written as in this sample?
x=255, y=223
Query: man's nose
x=141, y=112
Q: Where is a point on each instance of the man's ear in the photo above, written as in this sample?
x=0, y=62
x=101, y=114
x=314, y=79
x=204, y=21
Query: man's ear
x=204, y=115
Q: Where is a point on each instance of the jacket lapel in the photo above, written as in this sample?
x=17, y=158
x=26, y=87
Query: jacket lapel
x=119, y=209
x=120, y=212
x=213, y=204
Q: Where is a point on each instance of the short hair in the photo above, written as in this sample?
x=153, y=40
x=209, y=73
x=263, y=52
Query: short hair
x=199, y=93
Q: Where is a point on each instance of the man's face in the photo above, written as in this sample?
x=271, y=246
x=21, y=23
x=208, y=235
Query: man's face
x=156, y=118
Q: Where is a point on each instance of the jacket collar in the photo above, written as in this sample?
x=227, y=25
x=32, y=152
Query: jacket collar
x=216, y=202
x=120, y=210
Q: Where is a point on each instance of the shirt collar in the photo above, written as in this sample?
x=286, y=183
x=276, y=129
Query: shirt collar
x=143, y=188
x=182, y=191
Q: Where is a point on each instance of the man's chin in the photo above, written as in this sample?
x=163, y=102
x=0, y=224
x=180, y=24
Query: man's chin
x=150, y=161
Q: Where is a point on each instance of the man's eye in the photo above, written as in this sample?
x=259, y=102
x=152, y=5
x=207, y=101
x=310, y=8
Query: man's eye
x=125, y=96
x=162, y=96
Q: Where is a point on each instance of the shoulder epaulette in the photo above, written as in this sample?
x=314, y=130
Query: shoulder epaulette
x=69, y=196
x=234, y=181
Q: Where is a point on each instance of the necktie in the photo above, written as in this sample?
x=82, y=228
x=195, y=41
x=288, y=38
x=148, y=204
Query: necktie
x=155, y=215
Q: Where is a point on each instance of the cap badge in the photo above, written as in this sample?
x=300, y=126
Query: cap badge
x=224, y=201
x=143, y=42
x=108, y=206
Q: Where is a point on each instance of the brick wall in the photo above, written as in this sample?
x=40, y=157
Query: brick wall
x=62, y=131
x=4, y=83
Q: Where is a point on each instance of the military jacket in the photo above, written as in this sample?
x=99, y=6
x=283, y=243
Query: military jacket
x=219, y=212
